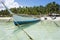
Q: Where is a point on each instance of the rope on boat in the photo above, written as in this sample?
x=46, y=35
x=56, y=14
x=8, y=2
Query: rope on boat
x=28, y=35
x=7, y=8
x=25, y=32
x=56, y=24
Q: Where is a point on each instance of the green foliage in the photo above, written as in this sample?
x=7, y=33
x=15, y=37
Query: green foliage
x=52, y=7
x=36, y=10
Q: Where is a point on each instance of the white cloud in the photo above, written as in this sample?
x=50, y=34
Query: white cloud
x=9, y=4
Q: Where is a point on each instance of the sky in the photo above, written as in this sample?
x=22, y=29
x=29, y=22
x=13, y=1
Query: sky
x=17, y=3
x=35, y=2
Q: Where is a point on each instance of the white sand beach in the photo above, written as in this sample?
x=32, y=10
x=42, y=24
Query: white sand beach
x=49, y=18
x=5, y=18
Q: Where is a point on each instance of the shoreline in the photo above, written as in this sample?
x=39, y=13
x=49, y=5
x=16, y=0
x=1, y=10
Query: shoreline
x=42, y=18
x=6, y=18
x=51, y=18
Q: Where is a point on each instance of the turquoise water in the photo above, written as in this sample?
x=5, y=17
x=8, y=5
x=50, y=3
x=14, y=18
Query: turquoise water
x=43, y=30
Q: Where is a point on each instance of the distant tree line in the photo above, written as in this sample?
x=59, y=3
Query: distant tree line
x=36, y=10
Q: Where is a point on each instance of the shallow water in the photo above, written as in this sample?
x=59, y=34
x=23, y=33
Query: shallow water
x=43, y=30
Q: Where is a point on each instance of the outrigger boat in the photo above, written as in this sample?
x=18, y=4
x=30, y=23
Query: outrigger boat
x=21, y=20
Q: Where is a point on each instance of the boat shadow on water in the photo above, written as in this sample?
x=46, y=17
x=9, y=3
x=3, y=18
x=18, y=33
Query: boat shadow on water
x=23, y=26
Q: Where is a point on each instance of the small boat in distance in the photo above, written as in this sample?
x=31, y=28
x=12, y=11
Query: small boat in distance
x=18, y=20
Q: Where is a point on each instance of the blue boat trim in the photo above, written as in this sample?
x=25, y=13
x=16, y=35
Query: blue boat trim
x=25, y=22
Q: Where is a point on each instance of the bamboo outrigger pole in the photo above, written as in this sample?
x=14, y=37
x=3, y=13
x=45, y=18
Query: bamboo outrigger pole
x=17, y=23
x=7, y=8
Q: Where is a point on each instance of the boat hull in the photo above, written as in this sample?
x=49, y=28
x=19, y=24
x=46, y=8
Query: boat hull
x=25, y=22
